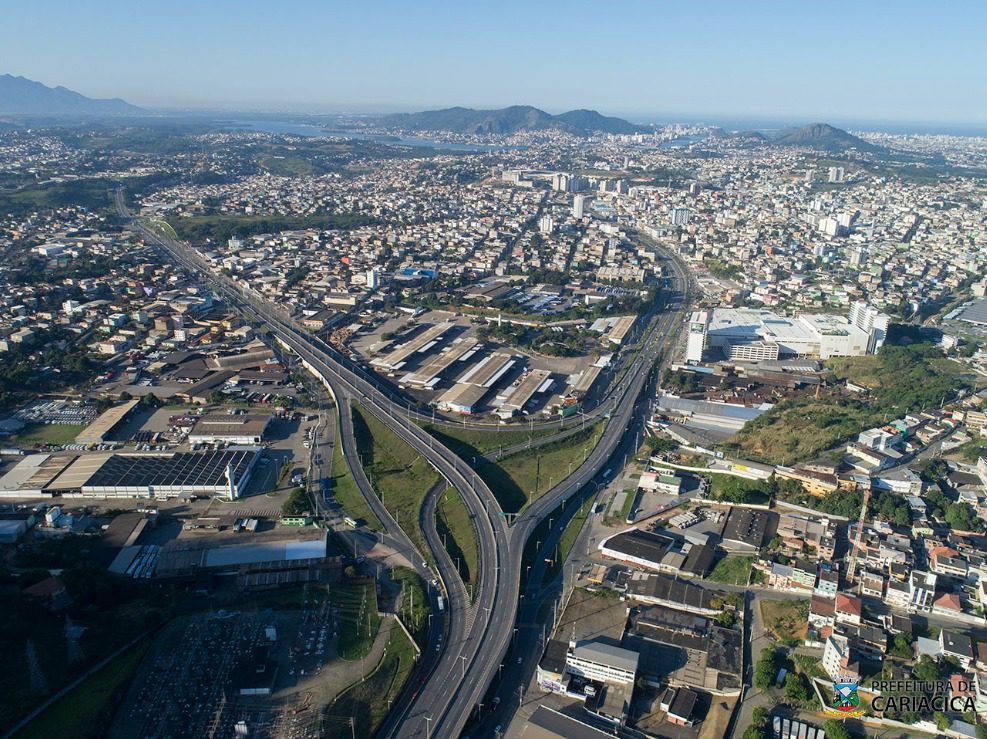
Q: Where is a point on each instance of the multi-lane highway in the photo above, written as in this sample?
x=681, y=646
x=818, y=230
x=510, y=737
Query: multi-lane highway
x=479, y=633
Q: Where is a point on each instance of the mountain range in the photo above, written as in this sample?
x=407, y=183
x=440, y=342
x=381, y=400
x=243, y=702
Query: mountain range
x=510, y=120
x=21, y=96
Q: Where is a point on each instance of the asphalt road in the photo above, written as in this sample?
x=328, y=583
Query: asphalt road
x=478, y=640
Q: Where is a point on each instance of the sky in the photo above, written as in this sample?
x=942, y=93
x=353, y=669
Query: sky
x=863, y=61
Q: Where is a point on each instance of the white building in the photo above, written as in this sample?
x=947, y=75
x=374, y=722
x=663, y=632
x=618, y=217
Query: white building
x=751, y=334
x=578, y=206
x=698, y=326
x=870, y=319
x=602, y=662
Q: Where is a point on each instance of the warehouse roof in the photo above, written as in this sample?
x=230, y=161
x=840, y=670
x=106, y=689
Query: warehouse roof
x=224, y=424
x=271, y=551
x=98, y=430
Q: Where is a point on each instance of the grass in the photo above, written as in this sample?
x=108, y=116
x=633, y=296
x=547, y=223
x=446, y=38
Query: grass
x=47, y=433
x=366, y=704
x=900, y=380
x=359, y=622
x=625, y=509
x=732, y=571
x=468, y=442
x=456, y=529
x=568, y=539
x=397, y=472
x=521, y=478
x=347, y=493
x=786, y=619
x=87, y=709
x=414, y=608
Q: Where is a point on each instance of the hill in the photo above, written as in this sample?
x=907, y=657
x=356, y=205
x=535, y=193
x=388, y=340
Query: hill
x=19, y=95
x=509, y=120
x=824, y=137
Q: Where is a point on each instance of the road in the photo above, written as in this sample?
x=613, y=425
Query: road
x=478, y=639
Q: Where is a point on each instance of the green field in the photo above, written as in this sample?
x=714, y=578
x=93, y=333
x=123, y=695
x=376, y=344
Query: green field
x=454, y=525
x=397, y=472
x=732, y=570
x=469, y=442
x=366, y=704
x=568, y=539
x=86, y=710
x=359, y=622
x=346, y=492
x=527, y=475
x=415, y=607
x=47, y=433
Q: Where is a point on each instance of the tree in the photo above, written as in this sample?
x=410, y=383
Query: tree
x=796, y=688
x=835, y=729
x=941, y=719
x=926, y=669
x=766, y=670
x=901, y=646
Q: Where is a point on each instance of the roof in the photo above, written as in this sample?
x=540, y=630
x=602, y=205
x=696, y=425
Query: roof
x=683, y=703
x=746, y=526
x=189, y=469
x=554, y=658
x=606, y=654
x=274, y=551
x=640, y=544
x=224, y=425
x=46, y=588
x=848, y=604
x=97, y=431
x=548, y=724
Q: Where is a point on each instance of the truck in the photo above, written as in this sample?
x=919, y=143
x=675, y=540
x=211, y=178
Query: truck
x=351, y=522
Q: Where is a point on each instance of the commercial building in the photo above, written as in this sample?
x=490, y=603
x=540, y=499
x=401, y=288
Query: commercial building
x=602, y=662
x=421, y=343
x=871, y=320
x=755, y=335
x=242, y=428
x=698, y=328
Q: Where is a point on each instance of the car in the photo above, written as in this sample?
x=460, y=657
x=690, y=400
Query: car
x=520, y=660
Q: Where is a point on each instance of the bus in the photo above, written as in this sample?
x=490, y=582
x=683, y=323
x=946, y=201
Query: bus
x=349, y=521
x=442, y=604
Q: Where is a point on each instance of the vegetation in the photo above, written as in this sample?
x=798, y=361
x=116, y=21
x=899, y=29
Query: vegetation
x=415, y=607
x=732, y=570
x=367, y=703
x=723, y=270
x=759, y=724
x=470, y=442
x=43, y=364
x=47, y=433
x=525, y=476
x=455, y=526
x=221, y=228
x=347, y=493
x=971, y=451
x=400, y=475
x=730, y=489
x=359, y=622
x=766, y=669
x=901, y=379
x=785, y=619
x=92, y=194
x=297, y=504
x=86, y=710
x=835, y=729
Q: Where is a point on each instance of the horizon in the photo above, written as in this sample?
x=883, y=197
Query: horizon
x=685, y=63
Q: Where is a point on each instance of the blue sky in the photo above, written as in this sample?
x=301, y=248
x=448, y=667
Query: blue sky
x=841, y=61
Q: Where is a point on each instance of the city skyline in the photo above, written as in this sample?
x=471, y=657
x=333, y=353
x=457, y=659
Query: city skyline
x=724, y=63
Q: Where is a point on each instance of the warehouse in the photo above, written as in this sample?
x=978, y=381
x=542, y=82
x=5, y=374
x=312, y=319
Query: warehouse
x=422, y=343
x=428, y=376
x=244, y=428
x=522, y=391
x=221, y=473
x=34, y=476
x=99, y=430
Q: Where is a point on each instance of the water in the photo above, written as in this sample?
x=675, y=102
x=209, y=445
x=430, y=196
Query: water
x=305, y=129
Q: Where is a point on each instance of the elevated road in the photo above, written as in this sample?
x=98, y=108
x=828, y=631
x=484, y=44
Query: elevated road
x=479, y=640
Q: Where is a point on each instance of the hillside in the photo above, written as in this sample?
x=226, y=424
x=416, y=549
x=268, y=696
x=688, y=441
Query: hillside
x=19, y=95
x=509, y=120
x=824, y=137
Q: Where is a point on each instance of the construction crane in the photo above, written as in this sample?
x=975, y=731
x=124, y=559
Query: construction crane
x=855, y=553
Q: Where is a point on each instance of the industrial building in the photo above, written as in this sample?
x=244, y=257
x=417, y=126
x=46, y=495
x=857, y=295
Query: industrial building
x=429, y=375
x=99, y=430
x=244, y=428
x=522, y=391
x=122, y=475
x=422, y=343
x=724, y=417
x=614, y=329
x=656, y=551
x=474, y=385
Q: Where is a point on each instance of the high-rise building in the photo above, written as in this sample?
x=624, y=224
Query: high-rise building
x=680, y=216
x=560, y=182
x=373, y=279
x=858, y=256
x=836, y=174
x=871, y=320
x=698, y=328
x=546, y=225
x=578, y=206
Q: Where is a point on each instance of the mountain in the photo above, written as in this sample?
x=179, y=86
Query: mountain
x=19, y=95
x=509, y=120
x=824, y=137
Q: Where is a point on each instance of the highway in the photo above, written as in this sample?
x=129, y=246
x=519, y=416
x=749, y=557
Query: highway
x=479, y=635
